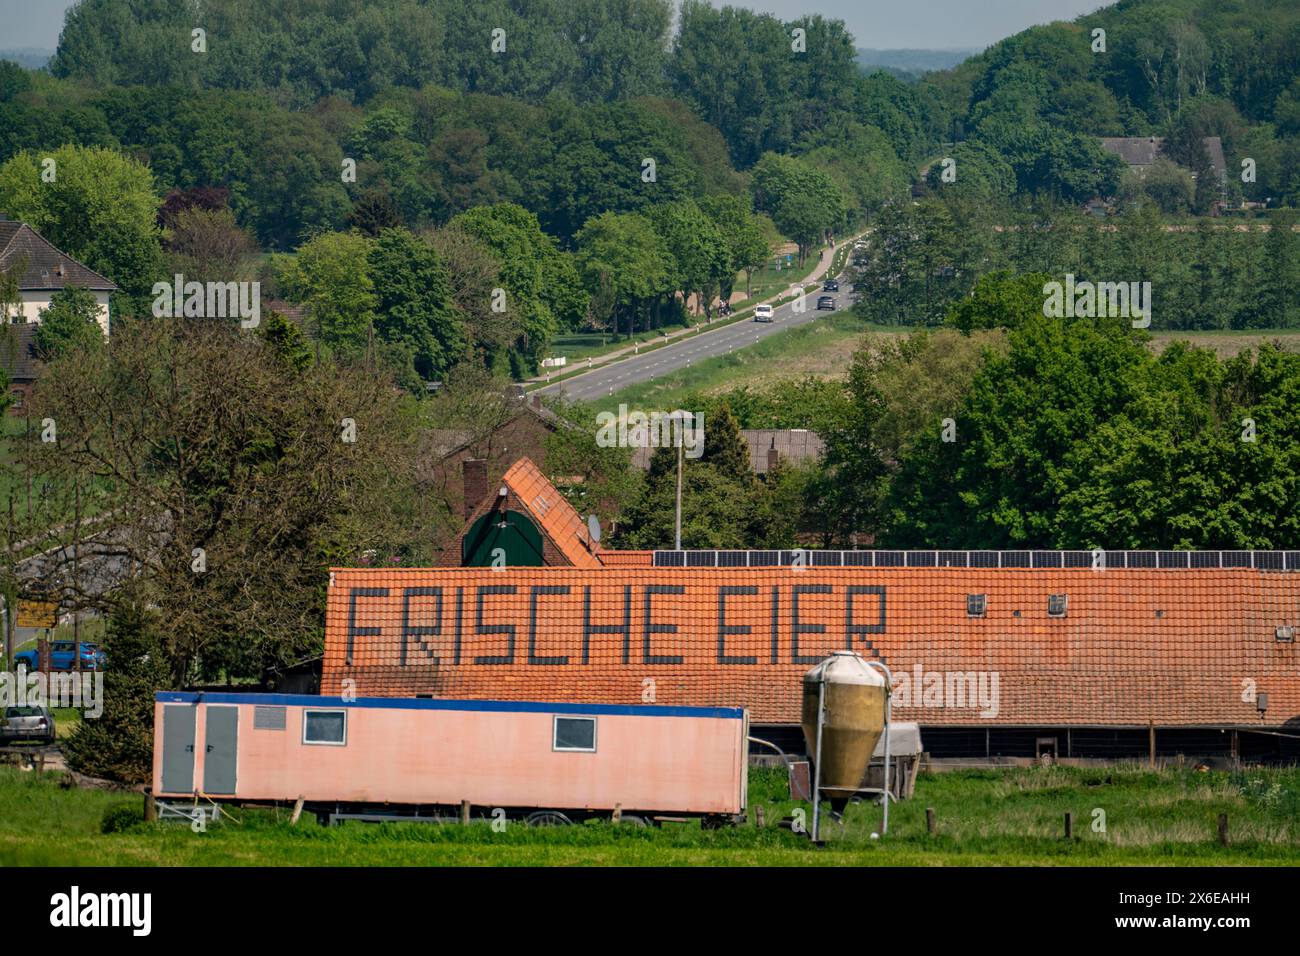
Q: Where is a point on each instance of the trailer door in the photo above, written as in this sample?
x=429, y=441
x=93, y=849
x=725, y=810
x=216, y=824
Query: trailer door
x=221, y=744
x=178, y=748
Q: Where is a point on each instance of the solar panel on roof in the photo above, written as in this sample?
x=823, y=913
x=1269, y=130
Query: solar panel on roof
x=1041, y=559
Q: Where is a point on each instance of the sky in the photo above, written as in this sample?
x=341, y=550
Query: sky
x=929, y=24
x=879, y=24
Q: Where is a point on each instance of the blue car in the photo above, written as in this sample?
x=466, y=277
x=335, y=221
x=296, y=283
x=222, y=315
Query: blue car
x=63, y=657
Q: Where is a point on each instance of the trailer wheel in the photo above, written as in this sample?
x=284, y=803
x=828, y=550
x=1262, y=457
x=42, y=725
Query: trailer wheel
x=632, y=820
x=547, y=818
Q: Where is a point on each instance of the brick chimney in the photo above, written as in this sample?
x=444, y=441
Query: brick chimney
x=773, y=456
x=474, y=474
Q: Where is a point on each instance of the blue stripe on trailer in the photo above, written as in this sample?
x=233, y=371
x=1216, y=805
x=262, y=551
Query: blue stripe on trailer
x=421, y=703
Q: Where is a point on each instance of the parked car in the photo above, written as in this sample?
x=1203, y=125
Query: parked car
x=763, y=313
x=27, y=723
x=831, y=285
x=826, y=302
x=63, y=657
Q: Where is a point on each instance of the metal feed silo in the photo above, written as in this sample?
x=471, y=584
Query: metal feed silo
x=852, y=696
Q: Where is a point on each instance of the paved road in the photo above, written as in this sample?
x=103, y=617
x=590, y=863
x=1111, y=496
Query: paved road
x=604, y=381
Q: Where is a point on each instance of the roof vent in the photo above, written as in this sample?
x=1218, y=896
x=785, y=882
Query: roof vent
x=60, y=268
x=1057, y=604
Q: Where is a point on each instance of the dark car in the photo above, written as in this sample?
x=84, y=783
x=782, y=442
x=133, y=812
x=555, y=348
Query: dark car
x=830, y=285
x=826, y=302
x=27, y=723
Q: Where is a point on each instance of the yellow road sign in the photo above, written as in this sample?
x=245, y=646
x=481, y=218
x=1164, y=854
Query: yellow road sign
x=38, y=614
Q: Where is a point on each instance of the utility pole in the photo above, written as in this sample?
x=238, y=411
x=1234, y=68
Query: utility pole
x=10, y=590
x=76, y=576
x=27, y=464
x=680, y=446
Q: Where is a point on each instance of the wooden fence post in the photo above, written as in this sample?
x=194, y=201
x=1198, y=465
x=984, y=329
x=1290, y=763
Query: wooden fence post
x=464, y=812
x=1223, y=829
x=1069, y=825
x=929, y=820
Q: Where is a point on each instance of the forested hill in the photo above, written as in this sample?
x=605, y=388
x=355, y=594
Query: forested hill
x=1032, y=106
x=736, y=68
x=559, y=121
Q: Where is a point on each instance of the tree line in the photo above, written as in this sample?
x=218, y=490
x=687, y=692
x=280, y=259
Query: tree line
x=924, y=259
x=490, y=285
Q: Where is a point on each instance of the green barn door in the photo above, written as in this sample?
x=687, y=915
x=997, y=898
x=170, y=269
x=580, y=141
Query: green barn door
x=512, y=532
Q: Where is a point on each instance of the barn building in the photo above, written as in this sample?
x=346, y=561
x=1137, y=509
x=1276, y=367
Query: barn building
x=995, y=654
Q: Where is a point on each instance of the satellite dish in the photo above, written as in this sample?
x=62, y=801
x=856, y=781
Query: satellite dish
x=593, y=528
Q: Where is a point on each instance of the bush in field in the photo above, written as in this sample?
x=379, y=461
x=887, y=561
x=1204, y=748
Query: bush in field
x=118, y=745
x=120, y=817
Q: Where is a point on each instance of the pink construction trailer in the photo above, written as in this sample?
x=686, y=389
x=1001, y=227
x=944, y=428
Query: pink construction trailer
x=376, y=758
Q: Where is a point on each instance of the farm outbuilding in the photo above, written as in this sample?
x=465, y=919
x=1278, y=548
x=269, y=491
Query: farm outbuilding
x=338, y=753
x=1027, y=654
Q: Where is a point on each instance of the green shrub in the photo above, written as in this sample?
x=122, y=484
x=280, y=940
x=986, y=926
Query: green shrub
x=121, y=817
x=118, y=745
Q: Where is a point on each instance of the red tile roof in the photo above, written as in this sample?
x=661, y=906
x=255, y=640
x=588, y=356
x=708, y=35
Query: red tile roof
x=566, y=529
x=1177, y=647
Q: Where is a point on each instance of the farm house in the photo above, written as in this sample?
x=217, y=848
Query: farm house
x=995, y=654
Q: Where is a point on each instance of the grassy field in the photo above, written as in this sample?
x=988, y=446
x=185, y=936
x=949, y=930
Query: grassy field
x=985, y=817
x=825, y=348
x=1228, y=344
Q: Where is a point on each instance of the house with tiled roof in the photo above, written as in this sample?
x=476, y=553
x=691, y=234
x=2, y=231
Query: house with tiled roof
x=1139, y=153
x=994, y=654
x=767, y=446
x=21, y=363
x=44, y=270
x=524, y=521
x=41, y=270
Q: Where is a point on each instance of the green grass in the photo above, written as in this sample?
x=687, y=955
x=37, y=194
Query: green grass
x=985, y=817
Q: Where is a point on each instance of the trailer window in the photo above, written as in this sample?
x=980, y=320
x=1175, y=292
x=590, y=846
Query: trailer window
x=325, y=727
x=574, y=733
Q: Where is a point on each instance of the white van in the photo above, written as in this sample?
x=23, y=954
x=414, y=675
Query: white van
x=763, y=313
